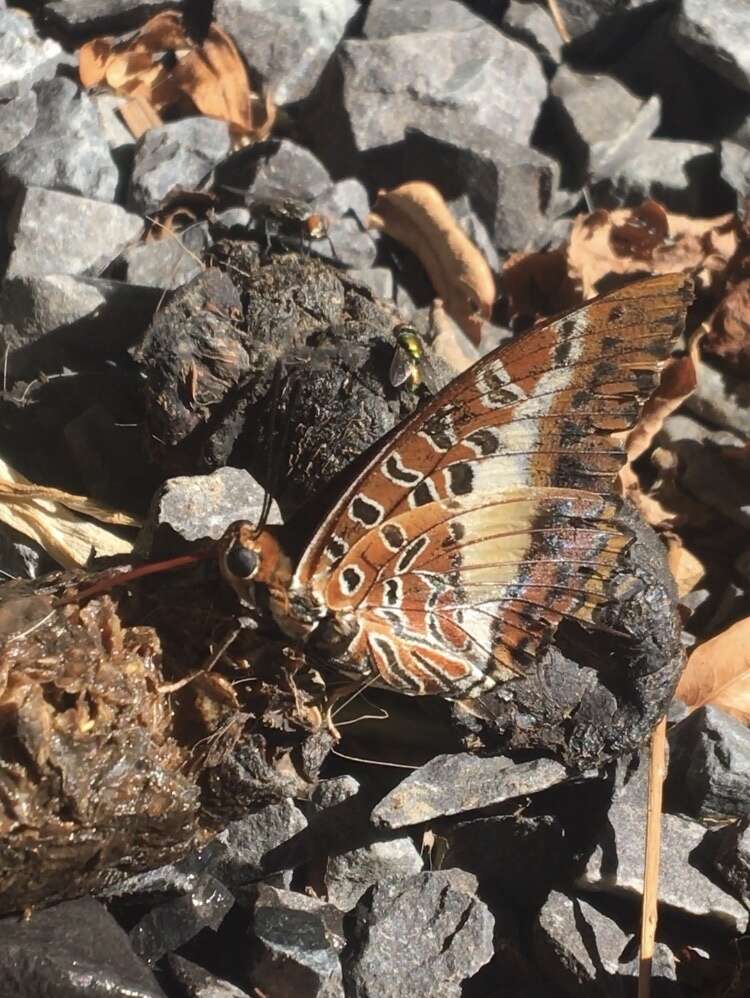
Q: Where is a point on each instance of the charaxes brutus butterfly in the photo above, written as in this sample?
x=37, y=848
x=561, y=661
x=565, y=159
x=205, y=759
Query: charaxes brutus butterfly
x=487, y=518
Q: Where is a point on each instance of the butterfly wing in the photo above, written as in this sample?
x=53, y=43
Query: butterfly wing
x=490, y=515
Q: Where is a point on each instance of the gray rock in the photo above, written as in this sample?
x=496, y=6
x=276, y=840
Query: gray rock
x=384, y=18
x=683, y=176
x=196, y=982
x=17, y=118
x=169, y=262
x=340, y=814
x=605, y=124
x=98, y=16
x=290, y=954
x=288, y=42
x=283, y=168
x=251, y=848
x=531, y=24
x=419, y=935
x=233, y=222
x=178, y=155
x=735, y=169
x=174, y=923
x=114, y=129
x=378, y=279
x=24, y=56
x=268, y=896
x=479, y=77
x=717, y=34
x=201, y=507
x=345, y=206
x=43, y=318
x=597, y=19
x=508, y=186
x=57, y=233
x=721, y=399
x=67, y=122
x=449, y=784
x=71, y=949
x=731, y=858
x=349, y=873
x=704, y=472
x=165, y=883
x=514, y=856
x=615, y=865
x=580, y=949
x=709, y=765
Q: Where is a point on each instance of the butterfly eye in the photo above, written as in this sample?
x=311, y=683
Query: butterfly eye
x=241, y=562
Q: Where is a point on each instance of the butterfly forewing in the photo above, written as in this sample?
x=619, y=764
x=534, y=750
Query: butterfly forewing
x=489, y=516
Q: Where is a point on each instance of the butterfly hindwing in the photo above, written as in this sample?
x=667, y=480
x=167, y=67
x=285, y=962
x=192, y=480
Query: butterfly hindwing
x=490, y=515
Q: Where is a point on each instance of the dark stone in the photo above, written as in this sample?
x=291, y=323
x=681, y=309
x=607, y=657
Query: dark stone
x=201, y=507
x=683, y=176
x=74, y=950
x=721, y=399
x=509, y=186
x=516, y=857
x=440, y=910
x=477, y=77
x=95, y=17
x=257, y=845
x=195, y=982
x=585, y=952
x=24, y=56
x=731, y=858
x=291, y=956
x=349, y=873
x=615, y=866
x=709, y=767
x=345, y=206
x=174, y=923
x=21, y=557
x=165, y=883
x=604, y=125
x=449, y=784
x=384, y=18
x=276, y=168
x=57, y=233
x=169, y=262
x=54, y=319
x=287, y=42
x=175, y=156
x=717, y=35
x=82, y=163
x=268, y=896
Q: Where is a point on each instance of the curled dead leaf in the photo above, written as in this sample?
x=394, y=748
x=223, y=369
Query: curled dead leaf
x=537, y=285
x=210, y=78
x=416, y=215
x=607, y=248
x=718, y=673
x=687, y=569
x=53, y=519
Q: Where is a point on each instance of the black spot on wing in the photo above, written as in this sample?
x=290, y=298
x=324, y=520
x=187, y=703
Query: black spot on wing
x=365, y=511
x=460, y=478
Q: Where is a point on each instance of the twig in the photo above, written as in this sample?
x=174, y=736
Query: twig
x=651, y=856
x=558, y=19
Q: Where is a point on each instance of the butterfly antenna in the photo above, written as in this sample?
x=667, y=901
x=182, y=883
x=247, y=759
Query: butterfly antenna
x=273, y=411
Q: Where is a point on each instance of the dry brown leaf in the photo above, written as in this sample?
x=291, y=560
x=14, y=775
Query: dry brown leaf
x=606, y=248
x=687, y=570
x=718, y=673
x=538, y=285
x=416, y=215
x=212, y=76
x=48, y=516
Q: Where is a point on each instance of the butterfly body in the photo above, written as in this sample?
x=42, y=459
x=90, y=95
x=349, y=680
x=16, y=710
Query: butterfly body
x=488, y=518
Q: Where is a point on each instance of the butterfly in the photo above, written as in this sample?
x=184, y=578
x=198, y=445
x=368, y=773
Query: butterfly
x=487, y=518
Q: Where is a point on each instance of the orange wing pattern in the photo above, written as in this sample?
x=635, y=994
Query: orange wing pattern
x=491, y=515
